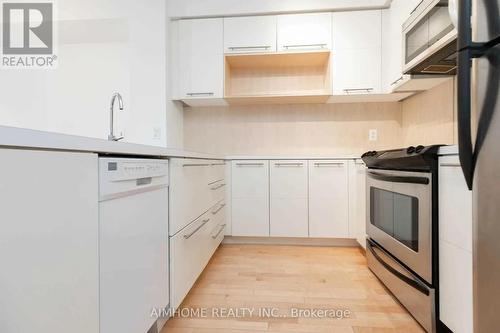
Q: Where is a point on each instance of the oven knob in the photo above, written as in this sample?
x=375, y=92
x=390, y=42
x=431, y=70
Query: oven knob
x=419, y=149
x=410, y=150
x=373, y=153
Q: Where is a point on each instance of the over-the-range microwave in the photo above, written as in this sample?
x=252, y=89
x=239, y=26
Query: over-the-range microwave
x=430, y=38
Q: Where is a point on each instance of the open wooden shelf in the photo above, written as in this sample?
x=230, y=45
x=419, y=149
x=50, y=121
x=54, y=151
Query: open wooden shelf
x=277, y=78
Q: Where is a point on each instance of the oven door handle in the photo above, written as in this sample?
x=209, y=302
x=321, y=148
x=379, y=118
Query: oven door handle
x=411, y=282
x=399, y=179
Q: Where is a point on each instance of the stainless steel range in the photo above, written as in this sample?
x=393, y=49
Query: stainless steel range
x=402, y=227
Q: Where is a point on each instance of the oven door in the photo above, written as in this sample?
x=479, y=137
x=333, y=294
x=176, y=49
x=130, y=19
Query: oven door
x=399, y=217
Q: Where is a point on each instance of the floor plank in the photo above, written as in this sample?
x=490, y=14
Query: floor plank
x=292, y=281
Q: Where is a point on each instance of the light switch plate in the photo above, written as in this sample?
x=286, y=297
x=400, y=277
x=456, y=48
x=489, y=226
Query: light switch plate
x=156, y=133
x=373, y=135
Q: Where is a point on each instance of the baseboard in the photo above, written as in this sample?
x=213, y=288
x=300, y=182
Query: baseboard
x=341, y=242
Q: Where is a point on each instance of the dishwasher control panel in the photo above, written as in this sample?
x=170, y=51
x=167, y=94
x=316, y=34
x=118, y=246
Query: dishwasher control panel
x=119, y=175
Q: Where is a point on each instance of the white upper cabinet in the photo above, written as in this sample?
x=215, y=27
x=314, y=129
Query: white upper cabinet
x=201, y=72
x=302, y=32
x=356, y=58
x=328, y=199
x=252, y=34
x=392, y=41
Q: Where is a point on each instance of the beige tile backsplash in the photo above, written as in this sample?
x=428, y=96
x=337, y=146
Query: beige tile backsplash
x=315, y=129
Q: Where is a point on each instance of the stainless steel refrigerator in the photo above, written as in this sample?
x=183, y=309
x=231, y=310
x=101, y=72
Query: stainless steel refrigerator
x=478, y=106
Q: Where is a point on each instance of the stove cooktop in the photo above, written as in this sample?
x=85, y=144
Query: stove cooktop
x=420, y=158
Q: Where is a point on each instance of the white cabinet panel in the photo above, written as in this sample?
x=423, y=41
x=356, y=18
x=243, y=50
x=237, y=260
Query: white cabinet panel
x=356, y=30
x=250, y=198
x=455, y=282
x=455, y=204
x=298, y=32
x=250, y=217
x=250, y=34
x=328, y=199
x=358, y=203
x=356, y=71
x=201, y=62
x=455, y=246
x=356, y=57
x=289, y=198
x=49, y=242
x=392, y=41
x=289, y=217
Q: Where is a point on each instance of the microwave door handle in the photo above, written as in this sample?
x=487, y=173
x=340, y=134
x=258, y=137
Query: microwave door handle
x=399, y=179
x=411, y=282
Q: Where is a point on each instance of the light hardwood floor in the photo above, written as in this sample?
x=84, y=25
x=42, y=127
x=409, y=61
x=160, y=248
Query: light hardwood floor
x=287, y=277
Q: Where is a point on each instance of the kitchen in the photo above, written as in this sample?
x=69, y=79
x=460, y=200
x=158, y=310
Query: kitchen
x=232, y=166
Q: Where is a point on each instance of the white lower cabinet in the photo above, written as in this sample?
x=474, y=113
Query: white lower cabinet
x=357, y=201
x=250, y=198
x=328, y=199
x=49, y=242
x=289, y=198
x=455, y=247
x=191, y=249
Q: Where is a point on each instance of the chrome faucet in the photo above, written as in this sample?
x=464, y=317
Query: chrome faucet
x=111, y=136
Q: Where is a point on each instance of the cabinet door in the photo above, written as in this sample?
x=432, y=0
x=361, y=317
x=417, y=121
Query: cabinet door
x=288, y=199
x=251, y=34
x=455, y=247
x=49, y=242
x=356, y=71
x=392, y=41
x=250, y=198
x=298, y=32
x=328, y=199
x=356, y=57
x=201, y=60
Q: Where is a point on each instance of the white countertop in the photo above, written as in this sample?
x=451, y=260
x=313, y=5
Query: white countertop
x=32, y=139
x=292, y=157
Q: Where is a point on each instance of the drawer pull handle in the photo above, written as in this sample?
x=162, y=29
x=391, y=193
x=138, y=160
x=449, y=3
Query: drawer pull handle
x=339, y=164
x=195, y=165
x=249, y=164
x=198, y=228
x=451, y=165
x=218, y=187
x=215, y=182
x=200, y=94
x=311, y=46
x=396, y=81
x=298, y=165
x=219, y=209
x=214, y=164
x=358, y=90
x=235, y=48
x=220, y=230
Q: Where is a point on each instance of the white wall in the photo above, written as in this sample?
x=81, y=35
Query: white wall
x=104, y=46
x=195, y=8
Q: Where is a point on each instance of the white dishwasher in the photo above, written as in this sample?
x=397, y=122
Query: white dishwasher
x=133, y=243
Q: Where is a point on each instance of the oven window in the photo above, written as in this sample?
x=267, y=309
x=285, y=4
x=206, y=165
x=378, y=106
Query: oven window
x=396, y=214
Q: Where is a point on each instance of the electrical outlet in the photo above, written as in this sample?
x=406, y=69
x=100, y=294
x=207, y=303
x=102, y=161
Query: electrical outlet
x=373, y=135
x=156, y=133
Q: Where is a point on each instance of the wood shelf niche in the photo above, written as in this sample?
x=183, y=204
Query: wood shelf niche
x=277, y=78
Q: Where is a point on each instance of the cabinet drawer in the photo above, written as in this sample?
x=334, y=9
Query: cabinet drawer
x=190, y=194
x=288, y=179
x=187, y=258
